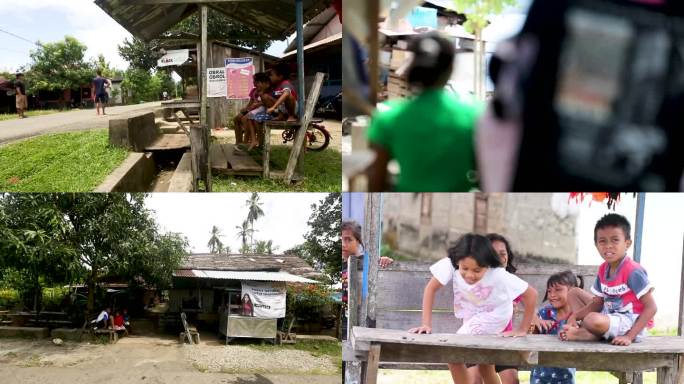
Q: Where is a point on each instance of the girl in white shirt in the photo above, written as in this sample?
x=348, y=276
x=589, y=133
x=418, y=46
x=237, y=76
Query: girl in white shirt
x=483, y=297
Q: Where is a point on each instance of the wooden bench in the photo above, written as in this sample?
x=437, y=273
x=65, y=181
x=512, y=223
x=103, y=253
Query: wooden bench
x=398, y=313
x=663, y=353
x=112, y=334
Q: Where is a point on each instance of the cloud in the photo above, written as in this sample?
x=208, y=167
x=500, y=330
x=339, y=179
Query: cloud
x=85, y=21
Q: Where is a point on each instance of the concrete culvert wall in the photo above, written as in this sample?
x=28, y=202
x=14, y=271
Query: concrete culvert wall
x=134, y=132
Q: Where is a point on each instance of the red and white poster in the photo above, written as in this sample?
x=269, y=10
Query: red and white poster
x=239, y=72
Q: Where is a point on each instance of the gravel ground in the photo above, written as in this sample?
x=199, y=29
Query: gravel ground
x=237, y=358
x=157, y=360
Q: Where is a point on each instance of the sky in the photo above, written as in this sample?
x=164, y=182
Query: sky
x=193, y=215
x=51, y=20
x=661, y=252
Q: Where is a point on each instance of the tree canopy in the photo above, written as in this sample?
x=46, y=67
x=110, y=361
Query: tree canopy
x=86, y=237
x=323, y=245
x=144, y=55
x=59, y=65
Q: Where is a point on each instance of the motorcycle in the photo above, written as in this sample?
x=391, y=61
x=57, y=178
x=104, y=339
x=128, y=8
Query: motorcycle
x=330, y=106
x=317, y=137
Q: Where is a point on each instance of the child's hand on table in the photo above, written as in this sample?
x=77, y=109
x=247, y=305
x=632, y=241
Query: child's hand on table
x=422, y=329
x=622, y=340
x=514, y=333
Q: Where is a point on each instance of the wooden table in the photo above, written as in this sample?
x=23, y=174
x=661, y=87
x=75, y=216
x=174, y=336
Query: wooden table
x=184, y=106
x=663, y=353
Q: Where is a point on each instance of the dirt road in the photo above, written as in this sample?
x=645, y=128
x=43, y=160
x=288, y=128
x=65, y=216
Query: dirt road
x=142, y=360
x=11, y=130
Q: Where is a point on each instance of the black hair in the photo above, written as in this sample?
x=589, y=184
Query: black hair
x=476, y=246
x=496, y=237
x=261, y=77
x=433, y=58
x=18, y=75
x=566, y=278
x=355, y=229
x=282, y=69
x=613, y=220
x=99, y=72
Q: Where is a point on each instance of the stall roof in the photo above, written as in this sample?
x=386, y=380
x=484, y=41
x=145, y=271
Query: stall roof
x=289, y=263
x=148, y=19
x=242, y=275
x=314, y=27
x=330, y=40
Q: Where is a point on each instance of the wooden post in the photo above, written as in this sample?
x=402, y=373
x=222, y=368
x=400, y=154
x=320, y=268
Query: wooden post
x=204, y=117
x=373, y=10
x=200, y=156
x=372, y=364
x=267, y=151
x=371, y=235
x=680, y=327
x=353, y=369
x=299, y=142
x=299, y=18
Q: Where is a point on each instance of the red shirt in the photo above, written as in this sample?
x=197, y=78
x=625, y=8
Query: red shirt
x=280, y=88
x=119, y=321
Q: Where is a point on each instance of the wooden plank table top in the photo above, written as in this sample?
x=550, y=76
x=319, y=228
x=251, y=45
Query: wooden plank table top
x=373, y=346
x=181, y=104
x=169, y=141
x=530, y=343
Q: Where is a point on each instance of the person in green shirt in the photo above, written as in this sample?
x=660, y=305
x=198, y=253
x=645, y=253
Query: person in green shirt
x=431, y=134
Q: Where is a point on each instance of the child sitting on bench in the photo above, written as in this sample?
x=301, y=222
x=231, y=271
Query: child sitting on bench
x=552, y=317
x=623, y=306
x=282, y=102
x=245, y=122
x=483, y=297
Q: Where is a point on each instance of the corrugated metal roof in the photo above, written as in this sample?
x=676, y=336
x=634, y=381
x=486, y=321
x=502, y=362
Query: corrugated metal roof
x=328, y=40
x=313, y=27
x=251, y=262
x=275, y=18
x=242, y=275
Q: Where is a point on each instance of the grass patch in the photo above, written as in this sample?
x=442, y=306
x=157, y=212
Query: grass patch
x=322, y=173
x=64, y=162
x=38, y=112
x=317, y=348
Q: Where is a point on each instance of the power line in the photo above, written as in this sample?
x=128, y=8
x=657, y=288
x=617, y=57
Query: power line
x=21, y=38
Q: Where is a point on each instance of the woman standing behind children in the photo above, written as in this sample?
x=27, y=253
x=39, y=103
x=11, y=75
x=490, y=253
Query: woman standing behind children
x=483, y=297
x=553, y=316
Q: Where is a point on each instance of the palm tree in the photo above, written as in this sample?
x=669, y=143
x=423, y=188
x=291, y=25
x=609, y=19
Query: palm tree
x=215, y=245
x=244, y=231
x=255, y=212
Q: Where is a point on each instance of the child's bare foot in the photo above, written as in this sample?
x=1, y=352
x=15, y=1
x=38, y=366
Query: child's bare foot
x=280, y=117
x=291, y=119
x=577, y=334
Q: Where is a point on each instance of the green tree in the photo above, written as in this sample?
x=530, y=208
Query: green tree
x=244, y=232
x=477, y=13
x=140, y=54
x=215, y=245
x=264, y=247
x=323, y=245
x=114, y=235
x=143, y=86
x=165, y=82
x=33, y=245
x=255, y=212
x=59, y=65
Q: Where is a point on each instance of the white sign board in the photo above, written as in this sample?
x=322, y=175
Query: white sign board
x=268, y=298
x=216, y=82
x=175, y=57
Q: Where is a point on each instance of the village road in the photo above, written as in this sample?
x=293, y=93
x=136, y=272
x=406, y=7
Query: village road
x=81, y=120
